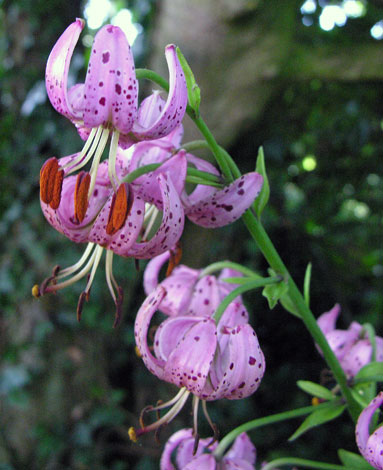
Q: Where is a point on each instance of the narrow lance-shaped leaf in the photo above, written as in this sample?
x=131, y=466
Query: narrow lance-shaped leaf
x=194, y=92
x=262, y=199
x=306, y=284
x=315, y=390
x=351, y=460
x=319, y=417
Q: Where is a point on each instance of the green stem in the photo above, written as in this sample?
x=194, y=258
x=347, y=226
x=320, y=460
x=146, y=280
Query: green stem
x=219, y=265
x=304, y=463
x=260, y=422
x=266, y=246
x=193, y=145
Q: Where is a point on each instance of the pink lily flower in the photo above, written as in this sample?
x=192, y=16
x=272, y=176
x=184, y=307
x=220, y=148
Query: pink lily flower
x=116, y=221
x=241, y=455
x=205, y=205
x=352, y=347
x=206, y=360
x=106, y=104
x=370, y=445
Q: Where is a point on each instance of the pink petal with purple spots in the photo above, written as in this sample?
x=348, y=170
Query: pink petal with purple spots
x=341, y=341
x=205, y=297
x=171, y=227
x=358, y=356
x=56, y=73
x=237, y=371
x=189, y=362
x=226, y=205
x=201, y=191
x=327, y=320
x=111, y=89
x=141, y=327
x=175, y=106
x=175, y=168
x=242, y=449
x=370, y=446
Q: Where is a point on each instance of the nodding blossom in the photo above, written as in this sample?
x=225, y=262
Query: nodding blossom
x=352, y=347
x=106, y=105
x=370, y=445
x=202, y=358
x=118, y=221
x=187, y=456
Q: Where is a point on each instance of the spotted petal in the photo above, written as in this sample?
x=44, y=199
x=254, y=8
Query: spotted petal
x=189, y=362
x=327, y=320
x=201, y=191
x=238, y=370
x=141, y=327
x=358, y=356
x=206, y=297
x=226, y=205
x=370, y=446
x=171, y=227
x=56, y=73
x=111, y=89
x=242, y=449
x=341, y=341
x=172, y=114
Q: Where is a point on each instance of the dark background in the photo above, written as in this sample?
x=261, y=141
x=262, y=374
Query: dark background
x=69, y=391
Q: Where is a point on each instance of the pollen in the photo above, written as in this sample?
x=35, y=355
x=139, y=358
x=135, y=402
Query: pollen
x=36, y=291
x=132, y=434
x=51, y=179
x=119, y=210
x=315, y=401
x=81, y=196
x=137, y=351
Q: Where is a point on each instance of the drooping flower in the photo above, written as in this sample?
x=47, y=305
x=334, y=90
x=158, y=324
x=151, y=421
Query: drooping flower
x=370, y=445
x=205, y=205
x=241, y=455
x=117, y=221
x=207, y=360
x=352, y=347
x=106, y=104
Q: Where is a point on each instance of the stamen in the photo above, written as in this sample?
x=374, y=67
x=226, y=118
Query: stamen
x=153, y=216
x=97, y=256
x=112, y=160
x=36, y=291
x=175, y=258
x=79, y=161
x=80, y=305
x=195, y=423
x=118, y=315
x=112, y=284
x=81, y=196
x=51, y=178
x=212, y=425
x=96, y=159
x=71, y=269
x=122, y=202
x=169, y=416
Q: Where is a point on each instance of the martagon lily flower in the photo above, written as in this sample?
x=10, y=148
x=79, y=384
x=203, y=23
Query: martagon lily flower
x=370, y=445
x=241, y=455
x=352, y=347
x=206, y=360
x=106, y=104
x=117, y=221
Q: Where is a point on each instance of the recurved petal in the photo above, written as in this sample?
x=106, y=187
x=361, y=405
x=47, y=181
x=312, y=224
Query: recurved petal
x=226, y=205
x=152, y=271
x=121, y=240
x=175, y=168
x=171, y=226
x=160, y=125
x=370, y=447
x=238, y=370
x=204, y=461
x=189, y=362
x=242, y=448
x=174, y=441
x=141, y=327
x=327, y=320
x=358, y=356
x=206, y=297
x=186, y=448
x=56, y=73
x=111, y=89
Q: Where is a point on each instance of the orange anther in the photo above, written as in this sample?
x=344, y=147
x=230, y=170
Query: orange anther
x=119, y=210
x=175, y=258
x=47, y=179
x=81, y=196
x=57, y=187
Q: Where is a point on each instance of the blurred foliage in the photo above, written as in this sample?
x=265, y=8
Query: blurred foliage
x=69, y=391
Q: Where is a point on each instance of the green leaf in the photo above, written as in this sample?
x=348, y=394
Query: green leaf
x=263, y=197
x=194, y=92
x=351, y=460
x=373, y=370
x=315, y=390
x=274, y=292
x=319, y=417
x=306, y=284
